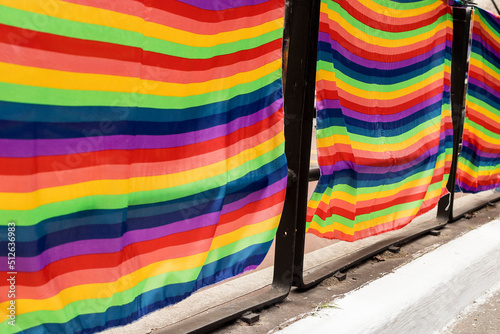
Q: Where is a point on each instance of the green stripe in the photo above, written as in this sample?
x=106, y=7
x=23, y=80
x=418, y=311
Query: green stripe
x=487, y=23
x=376, y=189
x=482, y=104
x=386, y=88
x=481, y=168
x=34, y=216
x=483, y=130
x=57, y=26
x=406, y=6
x=374, y=214
x=383, y=140
x=485, y=63
x=66, y=97
x=238, y=245
x=99, y=305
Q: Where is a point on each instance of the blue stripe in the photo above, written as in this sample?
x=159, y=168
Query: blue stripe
x=12, y=111
x=158, y=298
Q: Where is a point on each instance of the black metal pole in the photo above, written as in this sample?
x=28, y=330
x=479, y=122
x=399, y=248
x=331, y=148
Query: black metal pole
x=303, y=23
x=496, y=7
x=459, y=69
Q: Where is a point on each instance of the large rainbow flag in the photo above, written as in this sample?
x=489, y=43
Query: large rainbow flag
x=141, y=153
x=384, y=130
x=479, y=161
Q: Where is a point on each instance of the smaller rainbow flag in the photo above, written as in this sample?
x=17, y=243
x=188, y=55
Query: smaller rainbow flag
x=384, y=130
x=479, y=161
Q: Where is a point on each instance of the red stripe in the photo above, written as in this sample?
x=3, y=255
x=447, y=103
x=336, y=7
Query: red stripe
x=480, y=144
x=26, y=166
x=374, y=52
x=180, y=21
x=477, y=29
x=80, y=64
x=483, y=121
x=203, y=15
x=110, y=260
x=484, y=180
x=87, y=48
x=252, y=208
x=374, y=230
x=343, y=152
x=389, y=23
x=329, y=91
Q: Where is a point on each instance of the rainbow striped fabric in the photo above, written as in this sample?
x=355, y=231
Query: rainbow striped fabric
x=141, y=153
x=384, y=130
x=479, y=161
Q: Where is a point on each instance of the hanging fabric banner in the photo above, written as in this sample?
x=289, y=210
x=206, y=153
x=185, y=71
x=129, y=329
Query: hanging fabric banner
x=479, y=160
x=384, y=130
x=141, y=154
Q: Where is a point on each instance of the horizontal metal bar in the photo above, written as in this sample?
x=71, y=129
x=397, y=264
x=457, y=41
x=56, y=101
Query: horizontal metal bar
x=314, y=174
x=474, y=206
x=212, y=319
x=316, y=276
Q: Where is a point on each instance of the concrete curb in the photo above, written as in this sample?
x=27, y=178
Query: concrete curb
x=420, y=297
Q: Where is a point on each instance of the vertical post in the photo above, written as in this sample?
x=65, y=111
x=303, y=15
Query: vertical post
x=459, y=68
x=303, y=21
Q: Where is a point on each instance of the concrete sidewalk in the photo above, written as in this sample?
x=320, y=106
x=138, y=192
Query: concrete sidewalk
x=423, y=296
x=480, y=317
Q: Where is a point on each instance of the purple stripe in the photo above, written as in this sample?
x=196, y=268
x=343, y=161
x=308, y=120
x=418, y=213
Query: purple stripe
x=382, y=118
x=45, y=147
x=255, y=196
x=97, y=246
x=382, y=65
x=478, y=83
x=480, y=153
x=221, y=4
x=465, y=188
x=485, y=45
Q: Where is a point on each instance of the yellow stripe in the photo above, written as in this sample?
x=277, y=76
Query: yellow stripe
x=385, y=219
x=106, y=290
x=479, y=64
x=477, y=173
x=330, y=228
x=244, y=232
x=386, y=11
x=373, y=94
x=364, y=225
x=489, y=140
x=28, y=201
x=378, y=41
x=376, y=193
x=326, y=198
x=484, y=26
x=483, y=111
x=435, y=193
x=196, y=40
x=362, y=146
x=40, y=77
x=107, y=18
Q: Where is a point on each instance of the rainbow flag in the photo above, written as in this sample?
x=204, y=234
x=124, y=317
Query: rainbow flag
x=384, y=130
x=479, y=161
x=141, y=154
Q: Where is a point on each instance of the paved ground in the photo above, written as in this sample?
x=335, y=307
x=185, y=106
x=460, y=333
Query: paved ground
x=481, y=317
x=422, y=296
